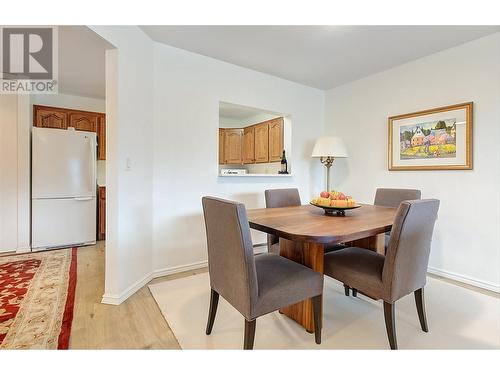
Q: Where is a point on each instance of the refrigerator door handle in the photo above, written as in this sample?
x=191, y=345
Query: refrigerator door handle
x=92, y=165
x=83, y=198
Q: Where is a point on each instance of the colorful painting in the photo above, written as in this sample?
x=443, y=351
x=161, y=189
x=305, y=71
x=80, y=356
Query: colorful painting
x=439, y=138
x=434, y=139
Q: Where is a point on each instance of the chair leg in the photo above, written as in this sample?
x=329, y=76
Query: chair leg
x=316, y=305
x=346, y=290
x=390, y=324
x=354, y=292
x=419, y=301
x=214, y=301
x=249, y=334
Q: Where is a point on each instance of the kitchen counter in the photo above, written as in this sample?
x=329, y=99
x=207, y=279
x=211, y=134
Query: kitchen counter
x=256, y=175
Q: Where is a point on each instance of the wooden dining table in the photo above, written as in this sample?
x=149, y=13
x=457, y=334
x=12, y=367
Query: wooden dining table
x=305, y=230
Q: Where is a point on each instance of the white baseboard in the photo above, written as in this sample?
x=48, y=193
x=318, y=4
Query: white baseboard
x=112, y=299
x=178, y=269
x=464, y=279
x=21, y=250
x=116, y=299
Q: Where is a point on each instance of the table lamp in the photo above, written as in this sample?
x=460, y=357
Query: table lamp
x=327, y=149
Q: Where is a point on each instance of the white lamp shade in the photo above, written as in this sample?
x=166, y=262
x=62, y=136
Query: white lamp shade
x=329, y=146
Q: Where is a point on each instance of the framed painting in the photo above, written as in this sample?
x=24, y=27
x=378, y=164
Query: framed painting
x=439, y=138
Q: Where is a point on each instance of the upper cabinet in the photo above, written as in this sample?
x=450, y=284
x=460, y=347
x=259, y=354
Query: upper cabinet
x=259, y=143
x=221, y=146
x=233, y=146
x=84, y=121
x=275, y=139
x=249, y=145
x=47, y=117
x=262, y=143
x=63, y=118
x=101, y=137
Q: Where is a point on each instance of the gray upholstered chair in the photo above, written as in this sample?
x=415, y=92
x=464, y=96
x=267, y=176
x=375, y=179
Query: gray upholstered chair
x=401, y=271
x=389, y=198
x=285, y=198
x=280, y=198
x=254, y=286
x=393, y=197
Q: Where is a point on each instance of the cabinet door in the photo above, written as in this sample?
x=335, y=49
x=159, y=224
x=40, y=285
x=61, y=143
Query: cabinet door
x=101, y=138
x=84, y=121
x=221, y=147
x=249, y=145
x=262, y=143
x=101, y=224
x=275, y=139
x=49, y=117
x=232, y=149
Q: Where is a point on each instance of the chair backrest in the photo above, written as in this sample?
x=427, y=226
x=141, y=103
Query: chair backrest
x=407, y=256
x=231, y=263
x=393, y=197
x=280, y=198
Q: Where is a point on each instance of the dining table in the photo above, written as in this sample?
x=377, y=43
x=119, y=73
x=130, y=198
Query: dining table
x=304, y=231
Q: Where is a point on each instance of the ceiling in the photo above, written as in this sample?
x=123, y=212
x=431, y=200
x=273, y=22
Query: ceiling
x=317, y=56
x=81, y=62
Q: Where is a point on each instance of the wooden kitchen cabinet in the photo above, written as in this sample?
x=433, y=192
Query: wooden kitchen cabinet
x=249, y=145
x=48, y=117
x=63, y=118
x=262, y=142
x=101, y=137
x=233, y=146
x=221, y=147
x=101, y=213
x=259, y=143
x=275, y=139
x=84, y=121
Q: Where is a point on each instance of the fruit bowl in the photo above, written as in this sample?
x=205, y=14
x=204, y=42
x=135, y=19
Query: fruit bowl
x=335, y=211
x=334, y=202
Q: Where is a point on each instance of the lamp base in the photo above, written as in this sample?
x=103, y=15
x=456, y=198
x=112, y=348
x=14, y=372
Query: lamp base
x=327, y=162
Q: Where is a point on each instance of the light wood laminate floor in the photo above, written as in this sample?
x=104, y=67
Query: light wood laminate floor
x=135, y=324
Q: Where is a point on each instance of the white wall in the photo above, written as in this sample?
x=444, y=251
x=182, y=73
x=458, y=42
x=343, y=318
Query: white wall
x=466, y=242
x=8, y=172
x=185, y=145
x=129, y=111
x=14, y=173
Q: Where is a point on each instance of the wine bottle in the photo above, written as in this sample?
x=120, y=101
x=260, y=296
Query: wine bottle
x=284, y=164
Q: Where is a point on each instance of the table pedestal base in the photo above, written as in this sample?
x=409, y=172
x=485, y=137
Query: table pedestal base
x=310, y=255
x=375, y=243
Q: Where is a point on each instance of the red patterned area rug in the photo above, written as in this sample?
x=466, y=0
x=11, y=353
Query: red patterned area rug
x=37, y=294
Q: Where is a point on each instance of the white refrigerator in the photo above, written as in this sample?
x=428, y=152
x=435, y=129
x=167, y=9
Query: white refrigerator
x=63, y=188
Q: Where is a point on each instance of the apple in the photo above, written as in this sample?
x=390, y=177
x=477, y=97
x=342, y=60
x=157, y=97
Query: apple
x=342, y=196
x=324, y=194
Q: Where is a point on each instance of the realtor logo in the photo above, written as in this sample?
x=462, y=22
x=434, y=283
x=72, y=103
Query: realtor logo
x=28, y=59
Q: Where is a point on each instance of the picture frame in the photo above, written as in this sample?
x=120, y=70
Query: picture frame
x=433, y=139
